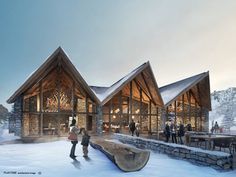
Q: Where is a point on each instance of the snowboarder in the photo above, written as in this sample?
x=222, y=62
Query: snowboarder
x=167, y=132
x=137, y=127
x=85, y=142
x=73, y=136
x=132, y=127
x=181, y=132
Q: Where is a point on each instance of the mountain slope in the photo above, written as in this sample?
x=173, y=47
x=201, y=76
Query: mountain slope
x=224, y=108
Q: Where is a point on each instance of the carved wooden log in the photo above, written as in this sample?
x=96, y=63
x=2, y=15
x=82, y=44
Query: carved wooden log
x=126, y=158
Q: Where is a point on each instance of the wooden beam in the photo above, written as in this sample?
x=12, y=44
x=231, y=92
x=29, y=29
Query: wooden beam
x=195, y=115
x=138, y=85
x=147, y=87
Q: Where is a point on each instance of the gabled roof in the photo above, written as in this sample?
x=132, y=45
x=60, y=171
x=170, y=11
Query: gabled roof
x=49, y=63
x=200, y=83
x=106, y=93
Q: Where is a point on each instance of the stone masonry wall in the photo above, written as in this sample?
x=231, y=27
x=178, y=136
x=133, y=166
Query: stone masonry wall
x=214, y=159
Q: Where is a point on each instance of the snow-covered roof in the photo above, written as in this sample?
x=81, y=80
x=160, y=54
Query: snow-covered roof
x=106, y=93
x=174, y=90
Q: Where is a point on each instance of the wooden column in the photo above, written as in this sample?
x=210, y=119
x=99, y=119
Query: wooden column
x=157, y=124
x=41, y=108
x=189, y=102
x=200, y=118
x=73, y=99
x=175, y=112
x=150, y=115
x=183, y=115
x=110, y=108
x=86, y=109
x=130, y=101
x=120, y=107
x=140, y=108
x=195, y=115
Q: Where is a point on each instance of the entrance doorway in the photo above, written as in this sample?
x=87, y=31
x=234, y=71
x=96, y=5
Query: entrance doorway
x=89, y=122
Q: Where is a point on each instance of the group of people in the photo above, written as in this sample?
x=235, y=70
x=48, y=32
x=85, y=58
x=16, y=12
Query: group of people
x=73, y=137
x=173, y=131
x=134, y=128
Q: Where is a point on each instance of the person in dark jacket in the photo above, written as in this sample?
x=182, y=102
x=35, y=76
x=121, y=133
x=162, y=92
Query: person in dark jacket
x=189, y=127
x=181, y=132
x=85, y=142
x=167, y=132
x=173, y=132
x=132, y=127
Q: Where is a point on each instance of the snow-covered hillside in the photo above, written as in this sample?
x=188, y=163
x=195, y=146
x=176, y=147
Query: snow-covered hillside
x=224, y=108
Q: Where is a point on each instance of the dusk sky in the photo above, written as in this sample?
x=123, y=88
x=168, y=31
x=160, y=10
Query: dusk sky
x=107, y=39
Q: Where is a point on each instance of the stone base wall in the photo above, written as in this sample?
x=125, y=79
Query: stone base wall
x=214, y=159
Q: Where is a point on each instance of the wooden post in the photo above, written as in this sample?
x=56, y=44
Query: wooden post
x=195, y=115
x=183, y=115
x=41, y=108
x=73, y=99
x=110, y=108
x=189, y=102
x=140, y=108
x=175, y=112
x=86, y=109
x=150, y=116
x=130, y=101
x=157, y=124
x=120, y=107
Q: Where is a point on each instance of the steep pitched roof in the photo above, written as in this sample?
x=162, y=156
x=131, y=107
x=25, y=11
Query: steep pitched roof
x=201, y=81
x=51, y=60
x=106, y=93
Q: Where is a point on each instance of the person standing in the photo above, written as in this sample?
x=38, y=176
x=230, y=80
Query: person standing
x=137, y=127
x=181, y=132
x=167, y=132
x=85, y=142
x=73, y=136
x=216, y=127
x=132, y=127
x=173, y=132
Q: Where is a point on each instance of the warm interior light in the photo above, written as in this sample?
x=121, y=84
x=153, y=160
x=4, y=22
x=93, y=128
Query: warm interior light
x=117, y=110
x=137, y=111
x=114, y=117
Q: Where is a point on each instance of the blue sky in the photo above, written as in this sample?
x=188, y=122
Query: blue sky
x=107, y=39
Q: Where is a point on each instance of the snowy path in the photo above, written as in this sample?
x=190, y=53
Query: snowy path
x=51, y=159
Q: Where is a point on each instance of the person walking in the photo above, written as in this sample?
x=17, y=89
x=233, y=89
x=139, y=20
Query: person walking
x=137, y=127
x=132, y=127
x=173, y=132
x=85, y=142
x=73, y=137
x=181, y=132
x=167, y=132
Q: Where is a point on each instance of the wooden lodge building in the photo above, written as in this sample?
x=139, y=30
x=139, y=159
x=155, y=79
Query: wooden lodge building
x=56, y=93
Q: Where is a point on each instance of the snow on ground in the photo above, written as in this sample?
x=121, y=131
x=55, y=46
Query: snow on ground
x=6, y=136
x=51, y=159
